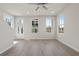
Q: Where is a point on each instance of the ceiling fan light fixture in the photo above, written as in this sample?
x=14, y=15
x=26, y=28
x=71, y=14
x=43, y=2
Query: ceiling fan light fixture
x=41, y=5
x=37, y=8
x=44, y=7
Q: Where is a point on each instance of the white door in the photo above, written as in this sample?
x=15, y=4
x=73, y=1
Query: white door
x=19, y=29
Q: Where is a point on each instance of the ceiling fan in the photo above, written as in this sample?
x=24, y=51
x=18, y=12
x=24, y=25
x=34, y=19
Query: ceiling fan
x=41, y=5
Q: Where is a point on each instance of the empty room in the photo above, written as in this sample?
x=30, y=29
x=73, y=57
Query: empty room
x=39, y=29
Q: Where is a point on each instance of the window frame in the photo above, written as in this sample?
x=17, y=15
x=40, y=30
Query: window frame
x=49, y=24
x=61, y=24
x=34, y=25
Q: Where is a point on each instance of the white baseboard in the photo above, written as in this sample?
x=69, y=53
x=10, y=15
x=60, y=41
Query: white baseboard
x=40, y=38
x=6, y=49
x=68, y=45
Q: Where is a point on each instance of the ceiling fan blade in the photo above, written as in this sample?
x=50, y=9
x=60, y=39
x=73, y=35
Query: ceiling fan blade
x=45, y=7
x=37, y=8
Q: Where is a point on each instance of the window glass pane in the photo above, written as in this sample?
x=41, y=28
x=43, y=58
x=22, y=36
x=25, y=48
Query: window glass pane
x=61, y=25
x=8, y=19
x=61, y=19
x=35, y=26
x=48, y=24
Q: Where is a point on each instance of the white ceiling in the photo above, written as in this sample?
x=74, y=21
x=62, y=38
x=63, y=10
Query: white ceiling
x=24, y=9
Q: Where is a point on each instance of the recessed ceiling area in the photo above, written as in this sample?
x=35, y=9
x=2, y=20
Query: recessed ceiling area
x=25, y=9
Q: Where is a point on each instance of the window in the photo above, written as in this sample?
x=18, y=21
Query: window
x=48, y=24
x=9, y=19
x=34, y=25
x=61, y=24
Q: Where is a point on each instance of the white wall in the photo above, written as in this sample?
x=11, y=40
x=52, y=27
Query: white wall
x=6, y=35
x=42, y=34
x=71, y=30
